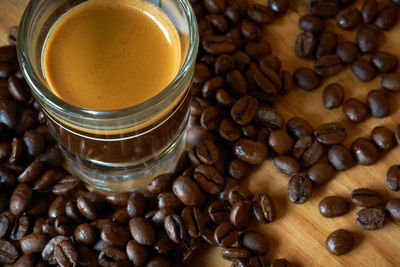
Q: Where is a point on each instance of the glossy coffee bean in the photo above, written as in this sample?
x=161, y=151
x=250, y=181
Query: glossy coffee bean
x=269, y=118
x=66, y=254
x=175, y=228
x=110, y=255
x=299, y=189
x=260, y=13
x=391, y=82
x=383, y=138
x=20, y=199
x=298, y=127
x=114, y=234
x=208, y=178
x=306, y=79
x=194, y=221
x=378, y=103
x=136, y=204
x=33, y=243
x=333, y=206
x=367, y=40
x=347, y=52
x=392, y=206
x=168, y=199
x=328, y=66
x=340, y=157
x=307, y=151
x=244, y=110
x=355, y=110
x=207, y=152
x=238, y=169
x=136, y=253
x=339, y=242
x=320, y=173
x=363, y=70
x=142, y=231
x=239, y=194
x=254, y=242
x=323, y=8
x=240, y=214
x=225, y=234
x=333, y=95
x=330, y=133
x=384, y=62
x=160, y=183
x=365, y=151
x=365, y=197
x=286, y=165
x=386, y=18
x=219, y=211
x=369, y=10
x=393, y=178
x=187, y=191
x=310, y=23
x=371, y=218
x=263, y=208
x=305, y=44
x=85, y=234
x=280, y=142
x=8, y=252
x=250, y=151
x=348, y=18
x=235, y=253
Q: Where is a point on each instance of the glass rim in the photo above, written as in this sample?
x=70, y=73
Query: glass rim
x=170, y=92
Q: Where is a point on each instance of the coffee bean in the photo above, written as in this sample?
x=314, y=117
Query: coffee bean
x=236, y=83
x=298, y=127
x=85, y=234
x=239, y=194
x=281, y=263
x=340, y=157
x=16, y=150
x=25, y=261
x=57, y=207
x=371, y=218
x=264, y=208
x=158, y=261
x=280, y=142
x=306, y=79
x=66, y=254
x=339, y=242
x=244, y=110
x=229, y=183
x=320, y=173
x=348, y=18
x=269, y=118
x=328, y=66
x=383, y=138
x=223, y=98
x=211, y=86
x=386, y=18
x=310, y=23
x=333, y=206
x=367, y=40
x=187, y=191
x=267, y=79
x=142, y=231
x=110, y=255
x=250, y=151
x=66, y=186
x=136, y=253
x=208, y=179
x=223, y=64
x=384, y=62
x=323, y=8
x=5, y=225
x=270, y=61
x=242, y=60
x=86, y=208
x=347, y=52
x=175, y=228
x=215, y=6
x=114, y=234
x=17, y=90
x=365, y=197
x=240, y=214
x=378, y=103
x=235, y=253
x=299, y=189
x=279, y=7
x=194, y=221
x=33, y=243
x=369, y=11
x=254, y=242
x=45, y=181
x=8, y=252
x=330, y=133
x=168, y=199
x=71, y=210
x=219, y=211
x=250, y=31
x=286, y=165
x=259, y=261
x=218, y=22
x=48, y=250
x=210, y=118
x=160, y=183
x=392, y=206
x=158, y=217
x=163, y=244
x=20, y=229
x=238, y=169
x=365, y=151
x=363, y=70
x=333, y=95
x=355, y=110
x=136, y=205
x=307, y=151
x=218, y=45
x=260, y=13
x=391, y=81
x=225, y=234
x=326, y=45
x=48, y=227
x=393, y=178
x=305, y=44
x=20, y=198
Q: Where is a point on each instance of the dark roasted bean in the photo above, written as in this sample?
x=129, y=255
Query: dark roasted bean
x=299, y=189
x=225, y=234
x=286, y=165
x=250, y=151
x=20, y=198
x=110, y=255
x=347, y=52
x=328, y=65
x=330, y=133
x=219, y=211
x=348, y=18
x=339, y=242
x=218, y=45
x=114, y=234
x=48, y=250
x=218, y=22
x=306, y=79
x=307, y=151
x=355, y=110
x=323, y=8
x=386, y=18
x=211, y=86
x=363, y=70
x=86, y=208
x=270, y=61
x=194, y=221
x=8, y=252
x=392, y=206
x=187, y=191
x=5, y=225
x=383, y=138
x=269, y=118
x=280, y=142
x=215, y=6
x=310, y=23
x=281, y=263
x=85, y=234
x=239, y=194
x=31, y=172
x=175, y=228
x=168, y=199
x=384, y=62
x=20, y=229
x=365, y=151
x=298, y=127
x=254, y=242
x=391, y=81
x=136, y=253
x=66, y=254
x=326, y=45
x=305, y=44
x=136, y=205
x=33, y=243
x=236, y=83
x=333, y=206
x=223, y=64
x=340, y=157
x=393, y=178
x=369, y=11
x=371, y=218
x=160, y=183
x=244, y=110
x=142, y=231
x=264, y=208
x=250, y=30
x=210, y=118
x=320, y=173
x=260, y=13
x=259, y=261
x=57, y=207
x=365, y=197
x=229, y=130
x=208, y=179
x=367, y=40
x=240, y=214
x=235, y=253
x=333, y=95
x=378, y=103
x=267, y=79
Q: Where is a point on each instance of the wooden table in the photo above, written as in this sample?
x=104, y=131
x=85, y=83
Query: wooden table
x=299, y=232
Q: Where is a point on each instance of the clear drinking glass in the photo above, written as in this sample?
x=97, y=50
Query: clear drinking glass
x=117, y=150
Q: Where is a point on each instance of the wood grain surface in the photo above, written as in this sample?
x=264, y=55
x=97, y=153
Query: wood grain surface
x=299, y=232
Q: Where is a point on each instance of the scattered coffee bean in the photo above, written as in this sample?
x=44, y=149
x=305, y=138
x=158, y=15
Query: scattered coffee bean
x=384, y=62
x=371, y=218
x=8, y=252
x=333, y=95
x=333, y=206
x=225, y=234
x=392, y=206
x=347, y=52
x=320, y=173
x=326, y=45
x=378, y=103
x=253, y=241
x=310, y=23
x=287, y=165
x=391, y=82
x=339, y=242
x=386, y=18
x=369, y=11
x=306, y=79
x=348, y=18
x=383, y=138
x=355, y=110
x=365, y=151
x=365, y=197
x=264, y=208
x=367, y=40
x=298, y=127
x=299, y=189
x=393, y=178
x=328, y=66
x=340, y=157
x=305, y=44
x=363, y=70
x=330, y=133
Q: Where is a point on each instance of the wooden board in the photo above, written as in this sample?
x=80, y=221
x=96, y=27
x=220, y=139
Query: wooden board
x=299, y=232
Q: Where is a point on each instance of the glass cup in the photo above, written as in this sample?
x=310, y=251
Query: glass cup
x=117, y=150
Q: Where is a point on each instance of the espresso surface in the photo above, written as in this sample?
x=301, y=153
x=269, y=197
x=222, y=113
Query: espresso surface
x=107, y=55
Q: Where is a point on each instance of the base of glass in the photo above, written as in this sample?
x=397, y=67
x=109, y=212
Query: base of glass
x=114, y=178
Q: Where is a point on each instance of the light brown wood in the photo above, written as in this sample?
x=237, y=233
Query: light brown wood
x=299, y=232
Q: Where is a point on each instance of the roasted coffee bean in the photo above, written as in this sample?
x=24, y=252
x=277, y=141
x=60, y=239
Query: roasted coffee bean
x=320, y=173
x=5, y=225
x=136, y=253
x=217, y=45
x=280, y=142
x=307, y=151
x=333, y=206
x=393, y=178
x=48, y=227
x=240, y=214
x=66, y=254
x=71, y=210
x=384, y=62
x=259, y=261
x=299, y=189
x=208, y=179
x=193, y=221
x=235, y=253
x=225, y=234
x=211, y=86
x=365, y=197
x=8, y=252
x=85, y=234
x=21, y=228
x=367, y=40
x=16, y=150
x=323, y=8
x=281, y=263
x=279, y=7
x=355, y=110
x=250, y=151
x=369, y=11
x=371, y=218
x=310, y=23
x=238, y=168
x=25, y=261
x=242, y=60
x=198, y=105
x=347, y=52
x=333, y=95
x=158, y=216
x=363, y=70
x=66, y=186
x=269, y=118
x=223, y=98
x=236, y=83
x=136, y=205
x=256, y=50
x=286, y=165
x=158, y=261
x=298, y=127
x=270, y=61
x=210, y=118
x=45, y=181
x=267, y=79
x=17, y=90
x=232, y=15
x=244, y=110
x=168, y=199
x=57, y=207
x=175, y=228
x=187, y=191
x=142, y=231
x=114, y=234
x=160, y=183
x=20, y=198
x=86, y=208
x=365, y=151
x=218, y=22
x=48, y=250
x=163, y=244
x=250, y=31
x=229, y=130
x=260, y=13
x=306, y=79
x=383, y=138
x=229, y=183
x=223, y=64
x=339, y=242
x=340, y=157
x=348, y=18
x=253, y=241
x=392, y=206
x=264, y=208
x=386, y=18
x=378, y=103
x=326, y=45
x=111, y=255
x=391, y=81
x=219, y=211
x=328, y=66
x=33, y=243
x=8, y=112
x=239, y=194
x=305, y=44
x=330, y=133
